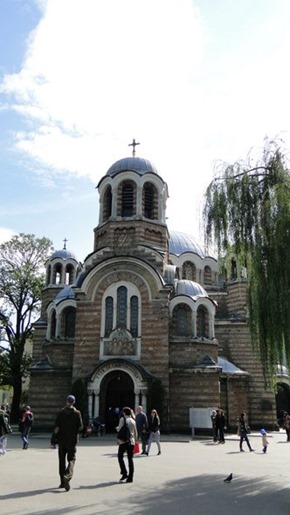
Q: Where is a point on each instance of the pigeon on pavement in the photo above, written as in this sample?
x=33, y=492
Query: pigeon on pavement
x=228, y=479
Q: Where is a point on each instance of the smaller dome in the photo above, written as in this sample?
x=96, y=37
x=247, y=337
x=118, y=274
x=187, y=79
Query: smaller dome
x=189, y=288
x=66, y=293
x=133, y=164
x=63, y=254
x=180, y=242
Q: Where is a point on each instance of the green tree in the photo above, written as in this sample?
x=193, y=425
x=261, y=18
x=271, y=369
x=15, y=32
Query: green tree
x=21, y=282
x=247, y=212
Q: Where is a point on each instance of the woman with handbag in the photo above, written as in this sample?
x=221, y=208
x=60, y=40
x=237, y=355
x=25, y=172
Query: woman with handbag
x=154, y=431
x=127, y=436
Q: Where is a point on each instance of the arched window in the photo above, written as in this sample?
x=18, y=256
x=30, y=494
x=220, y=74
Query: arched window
x=127, y=200
x=207, y=276
x=107, y=207
x=57, y=274
x=121, y=310
x=202, y=322
x=181, y=320
x=69, y=274
x=134, y=315
x=150, y=202
x=189, y=271
x=109, y=316
x=122, y=307
x=48, y=272
x=69, y=322
x=52, y=325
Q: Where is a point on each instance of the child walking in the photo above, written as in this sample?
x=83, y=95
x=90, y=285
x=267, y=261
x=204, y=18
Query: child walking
x=265, y=442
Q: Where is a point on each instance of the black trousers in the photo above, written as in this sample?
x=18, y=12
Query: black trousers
x=128, y=448
x=144, y=439
x=66, y=458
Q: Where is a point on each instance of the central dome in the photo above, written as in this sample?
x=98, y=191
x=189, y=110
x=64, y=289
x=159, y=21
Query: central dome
x=132, y=164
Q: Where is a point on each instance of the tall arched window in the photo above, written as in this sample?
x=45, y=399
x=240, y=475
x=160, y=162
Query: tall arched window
x=69, y=274
x=202, y=322
x=57, y=274
x=122, y=307
x=134, y=315
x=53, y=325
x=127, y=200
x=148, y=201
x=107, y=208
x=109, y=316
x=48, y=272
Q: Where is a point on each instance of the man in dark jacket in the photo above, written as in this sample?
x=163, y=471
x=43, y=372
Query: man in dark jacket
x=142, y=427
x=68, y=424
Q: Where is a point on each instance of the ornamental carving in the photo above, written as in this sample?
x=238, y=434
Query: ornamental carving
x=120, y=343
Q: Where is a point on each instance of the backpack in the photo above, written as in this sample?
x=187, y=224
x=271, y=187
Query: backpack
x=29, y=419
x=124, y=433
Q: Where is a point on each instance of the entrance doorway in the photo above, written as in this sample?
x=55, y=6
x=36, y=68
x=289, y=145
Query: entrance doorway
x=116, y=391
x=282, y=401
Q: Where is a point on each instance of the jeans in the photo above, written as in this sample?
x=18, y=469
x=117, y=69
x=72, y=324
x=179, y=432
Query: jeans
x=25, y=436
x=244, y=436
x=126, y=447
x=156, y=437
x=66, y=452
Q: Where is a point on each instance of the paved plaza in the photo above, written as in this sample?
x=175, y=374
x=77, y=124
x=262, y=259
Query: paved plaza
x=186, y=479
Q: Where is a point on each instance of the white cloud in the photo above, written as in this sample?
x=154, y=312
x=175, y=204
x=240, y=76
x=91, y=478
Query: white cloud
x=103, y=74
x=6, y=234
x=99, y=72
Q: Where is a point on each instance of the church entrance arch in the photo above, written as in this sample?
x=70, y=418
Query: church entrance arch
x=117, y=391
x=114, y=384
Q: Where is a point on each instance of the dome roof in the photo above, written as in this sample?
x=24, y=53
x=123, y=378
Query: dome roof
x=66, y=293
x=134, y=164
x=189, y=288
x=63, y=254
x=179, y=242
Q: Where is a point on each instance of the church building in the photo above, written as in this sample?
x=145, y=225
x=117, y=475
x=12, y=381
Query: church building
x=146, y=319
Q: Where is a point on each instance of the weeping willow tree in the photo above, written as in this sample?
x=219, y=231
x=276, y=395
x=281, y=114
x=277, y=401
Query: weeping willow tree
x=247, y=211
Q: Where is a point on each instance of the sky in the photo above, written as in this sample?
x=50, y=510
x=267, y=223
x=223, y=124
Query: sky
x=196, y=82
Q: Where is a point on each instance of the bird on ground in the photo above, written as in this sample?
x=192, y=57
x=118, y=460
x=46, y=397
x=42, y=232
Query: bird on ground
x=228, y=479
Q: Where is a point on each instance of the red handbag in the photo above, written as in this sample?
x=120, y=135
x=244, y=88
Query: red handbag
x=136, y=449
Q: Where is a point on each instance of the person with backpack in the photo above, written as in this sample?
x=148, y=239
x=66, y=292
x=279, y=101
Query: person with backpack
x=26, y=425
x=126, y=436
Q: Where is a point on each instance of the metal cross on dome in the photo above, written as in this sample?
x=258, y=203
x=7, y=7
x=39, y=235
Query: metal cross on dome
x=133, y=144
x=64, y=243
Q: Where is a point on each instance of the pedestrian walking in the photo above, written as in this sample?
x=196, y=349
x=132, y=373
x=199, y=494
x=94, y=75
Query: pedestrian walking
x=154, y=431
x=127, y=436
x=265, y=442
x=27, y=420
x=243, y=430
x=68, y=424
x=4, y=430
x=142, y=427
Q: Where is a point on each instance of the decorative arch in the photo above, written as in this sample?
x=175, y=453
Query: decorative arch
x=110, y=369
